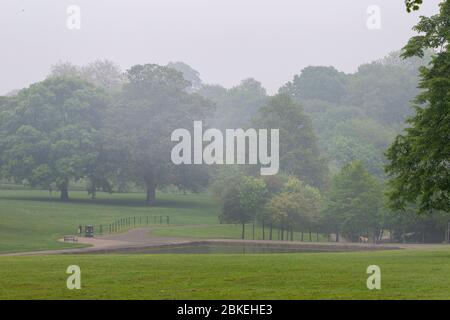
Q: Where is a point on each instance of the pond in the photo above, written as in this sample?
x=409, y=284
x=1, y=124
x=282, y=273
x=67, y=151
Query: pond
x=217, y=249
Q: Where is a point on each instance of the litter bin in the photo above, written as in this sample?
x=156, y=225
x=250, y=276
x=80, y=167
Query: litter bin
x=89, y=231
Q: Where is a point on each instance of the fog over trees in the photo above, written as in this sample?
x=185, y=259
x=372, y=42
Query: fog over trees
x=110, y=130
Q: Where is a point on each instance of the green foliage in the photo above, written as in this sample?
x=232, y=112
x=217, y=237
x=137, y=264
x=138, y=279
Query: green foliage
x=238, y=106
x=355, y=116
x=252, y=194
x=409, y=226
x=354, y=201
x=297, y=206
x=383, y=91
x=150, y=107
x=50, y=132
x=324, y=83
x=418, y=166
x=191, y=75
x=299, y=153
x=413, y=5
x=243, y=200
x=104, y=74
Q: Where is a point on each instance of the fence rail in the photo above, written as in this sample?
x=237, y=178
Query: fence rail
x=126, y=223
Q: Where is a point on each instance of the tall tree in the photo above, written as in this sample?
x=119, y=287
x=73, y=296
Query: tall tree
x=252, y=195
x=419, y=159
x=152, y=105
x=354, y=201
x=244, y=197
x=299, y=153
x=242, y=200
x=50, y=132
x=297, y=207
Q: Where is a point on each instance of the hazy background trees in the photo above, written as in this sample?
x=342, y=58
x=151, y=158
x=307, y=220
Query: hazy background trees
x=111, y=129
x=50, y=133
x=152, y=104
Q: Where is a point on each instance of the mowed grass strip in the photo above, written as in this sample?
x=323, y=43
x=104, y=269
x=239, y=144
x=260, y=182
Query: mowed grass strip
x=406, y=274
x=34, y=220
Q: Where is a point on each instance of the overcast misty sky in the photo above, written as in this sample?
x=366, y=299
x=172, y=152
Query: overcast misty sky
x=225, y=40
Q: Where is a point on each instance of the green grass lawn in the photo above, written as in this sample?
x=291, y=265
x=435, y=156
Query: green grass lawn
x=34, y=220
x=406, y=274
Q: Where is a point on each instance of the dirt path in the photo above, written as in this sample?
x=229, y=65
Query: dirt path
x=136, y=238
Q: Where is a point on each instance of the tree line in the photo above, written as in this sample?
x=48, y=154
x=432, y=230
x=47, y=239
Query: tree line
x=112, y=129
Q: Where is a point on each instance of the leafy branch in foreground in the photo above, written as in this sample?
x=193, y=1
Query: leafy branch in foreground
x=413, y=5
x=419, y=159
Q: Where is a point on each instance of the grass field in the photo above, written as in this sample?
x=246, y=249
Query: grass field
x=405, y=275
x=34, y=220
x=31, y=220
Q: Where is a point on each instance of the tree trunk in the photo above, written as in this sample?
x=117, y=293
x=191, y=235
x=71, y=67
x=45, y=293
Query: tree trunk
x=263, y=230
x=64, y=191
x=253, y=230
x=243, y=231
x=271, y=229
x=310, y=236
x=151, y=193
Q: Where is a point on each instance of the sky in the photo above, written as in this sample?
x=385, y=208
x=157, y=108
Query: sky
x=225, y=40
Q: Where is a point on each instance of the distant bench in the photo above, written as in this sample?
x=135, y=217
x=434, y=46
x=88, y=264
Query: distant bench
x=70, y=239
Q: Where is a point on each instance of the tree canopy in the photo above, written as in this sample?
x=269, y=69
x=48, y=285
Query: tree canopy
x=419, y=159
x=152, y=104
x=354, y=202
x=50, y=132
x=299, y=152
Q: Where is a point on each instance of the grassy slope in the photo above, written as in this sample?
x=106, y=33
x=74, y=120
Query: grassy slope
x=405, y=275
x=32, y=220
